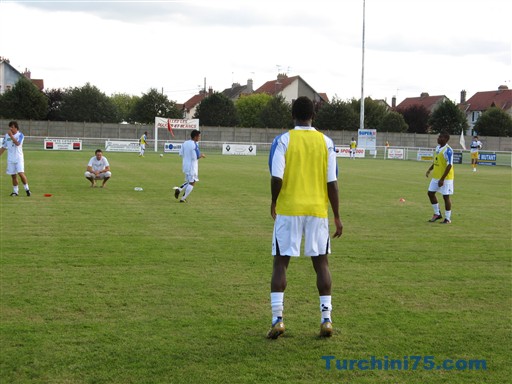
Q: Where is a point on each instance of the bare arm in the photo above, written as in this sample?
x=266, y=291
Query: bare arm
x=275, y=187
x=332, y=192
x=430, y=169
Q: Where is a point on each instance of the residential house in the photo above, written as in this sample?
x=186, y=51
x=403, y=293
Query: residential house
x=237, y=90
x=482, y=101
x=291, y=88
x=190, y=106
x=429, y=102
x=10, y=76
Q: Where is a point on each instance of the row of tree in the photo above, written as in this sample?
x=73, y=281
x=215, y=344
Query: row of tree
x=88, y=103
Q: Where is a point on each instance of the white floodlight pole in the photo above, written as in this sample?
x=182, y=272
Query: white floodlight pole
x=361, y=118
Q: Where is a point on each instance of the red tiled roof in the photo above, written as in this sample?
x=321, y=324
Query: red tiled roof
x=324, y=97
x=194, y=100
x=482, y=101
x=273, y=87
x=429, y=102
x=39, y=83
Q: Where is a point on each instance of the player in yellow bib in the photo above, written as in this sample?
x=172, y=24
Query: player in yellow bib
x=353, y=146
x=442, y=178
x=476, y=145
x=304, y=181
x=142, y=143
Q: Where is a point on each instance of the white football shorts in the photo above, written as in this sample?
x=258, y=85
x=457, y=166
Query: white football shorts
x=288, y=231
x=15, y=168
x=191, y=177
x=446, y=189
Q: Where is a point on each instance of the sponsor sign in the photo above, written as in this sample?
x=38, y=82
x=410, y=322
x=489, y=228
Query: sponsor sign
x=367, y=139
x=122, y=146
x=487, y=159
x=63, y=144
x=239, y=149
x=396, y=153
x=345, y=152
x=457, y=157
x=172, y=147
x=172, y=124
x=425, y=155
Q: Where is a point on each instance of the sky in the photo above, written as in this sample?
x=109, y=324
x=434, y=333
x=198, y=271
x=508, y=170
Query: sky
x=411, y=46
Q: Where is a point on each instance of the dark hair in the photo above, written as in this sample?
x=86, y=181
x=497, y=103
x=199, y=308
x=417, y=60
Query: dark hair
x=98, y=150
x=303, y=109
x=445, y=134
x=13, y=124
x=194, y=133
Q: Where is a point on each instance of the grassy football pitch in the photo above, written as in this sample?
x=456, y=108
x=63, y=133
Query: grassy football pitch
x=118, y=286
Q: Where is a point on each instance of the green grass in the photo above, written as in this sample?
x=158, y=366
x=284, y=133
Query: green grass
x=117, y=286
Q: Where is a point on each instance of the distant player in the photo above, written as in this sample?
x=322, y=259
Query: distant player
x=142, y=143
x=13, y=144
x=353, y=146
x=191, y=155
x=442, y=178
x=476, y=145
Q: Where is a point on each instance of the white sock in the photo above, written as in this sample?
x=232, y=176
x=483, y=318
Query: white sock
x=15, y=189
x=188, y=191
x=448, y=215
x=436, y=209
x=26, y=187
x=277, y=304
x=325, y=307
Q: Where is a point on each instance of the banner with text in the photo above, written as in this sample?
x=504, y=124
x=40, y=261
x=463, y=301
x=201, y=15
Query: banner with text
x=63, y=144
x=487, y=158
x=122, y=146
x=172, y=124
x=396, y=153
x=239, y=149
x=367, y=139
x=345, y=152
x=172, y=147
x=425, y=155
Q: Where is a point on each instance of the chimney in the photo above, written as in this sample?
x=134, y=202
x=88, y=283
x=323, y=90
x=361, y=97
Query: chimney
x=463, y=96
x=281, y=76
x=210, y=90
x=502, y=88
x=424, y=94
x=393, y=102
x=249, y=86
x=27, y=73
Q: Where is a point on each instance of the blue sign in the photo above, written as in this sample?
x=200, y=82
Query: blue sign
x=487, y=159
x=457, y=157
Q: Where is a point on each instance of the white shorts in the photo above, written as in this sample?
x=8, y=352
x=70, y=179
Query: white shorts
x=191, y=177
x=15, y=168
x=288, y=231
x=446, y=189
x=101, y=176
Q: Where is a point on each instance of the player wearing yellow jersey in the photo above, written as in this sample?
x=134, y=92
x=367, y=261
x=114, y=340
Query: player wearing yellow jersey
x=476, y=145
x=442, y=178
x=142, y=143
x=353, y=146
x=304, y=181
